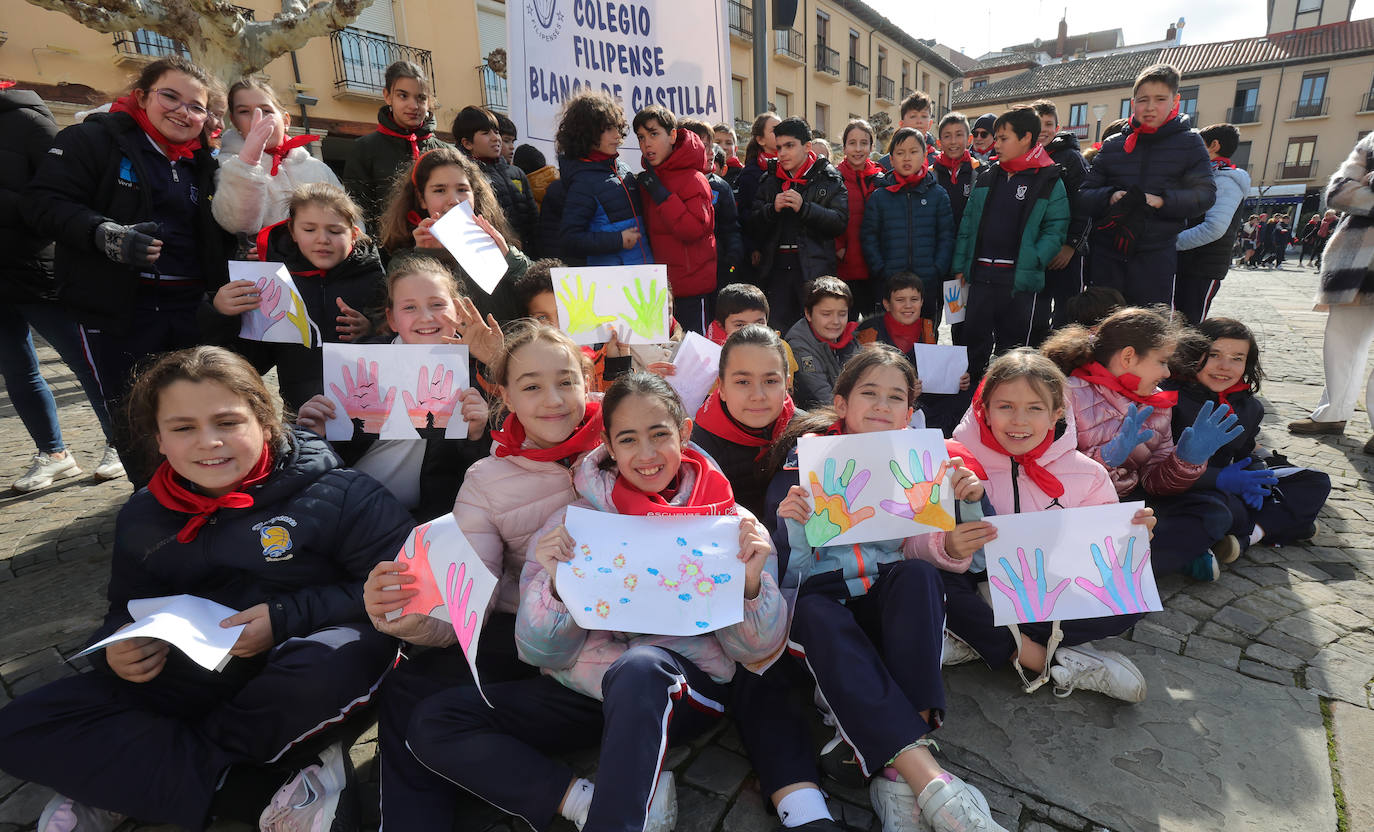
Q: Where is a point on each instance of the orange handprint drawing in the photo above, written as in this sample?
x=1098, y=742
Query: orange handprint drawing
x=833, y=515
x=922, y=491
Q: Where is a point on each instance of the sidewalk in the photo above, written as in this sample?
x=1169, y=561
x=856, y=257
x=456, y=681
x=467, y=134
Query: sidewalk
x=1259, y=703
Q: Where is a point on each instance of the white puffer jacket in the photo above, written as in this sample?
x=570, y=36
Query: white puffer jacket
x=249, y=198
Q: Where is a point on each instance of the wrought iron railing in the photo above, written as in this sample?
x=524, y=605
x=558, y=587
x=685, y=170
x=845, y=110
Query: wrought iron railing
x=361, y=59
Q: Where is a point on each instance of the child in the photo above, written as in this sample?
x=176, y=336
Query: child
x=868, y=622
x=1016, y=439
x=508, y=136
x=477, y=133
x=634, y=694
x=955, y=166
x=1092, y=306
x=761, y=149
x=1142, y=186
x=1123, y=421
x=1065, y=274
x=405, y=129
x=984, y=145
x=260, y=166
x=916, y=113
x=538, y=172
x=1270, y=501
x=799, y=209
x=679, y=212
x=729, y=243
x=439, y=180
x=822, y=341
x=723, y=135
x=860, y=174
x=1005, y=247
x=738, y=305
x=603, y=218
x=247, y=513
x=908, y=224
x=1205, y=246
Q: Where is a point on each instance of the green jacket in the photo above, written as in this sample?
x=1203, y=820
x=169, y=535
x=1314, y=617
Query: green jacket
x=375, y=159
x=1046, y=224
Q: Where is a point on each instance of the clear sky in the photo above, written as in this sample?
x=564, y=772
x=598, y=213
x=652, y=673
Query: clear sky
x=968, y=26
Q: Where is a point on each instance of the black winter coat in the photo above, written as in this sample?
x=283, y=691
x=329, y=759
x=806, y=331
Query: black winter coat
x=958, y=192
x=1065, y=152
x=1190, y=400
x=1171, y=163
x=512, y=189
x=744, y=467
x=824, y=215
x=79, y=186
x=729, y=242
x=551, y=221
x=375, y=159
x=26, y=132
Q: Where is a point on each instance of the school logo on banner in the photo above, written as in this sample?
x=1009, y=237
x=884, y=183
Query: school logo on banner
x=549, y=18
x=275, y=538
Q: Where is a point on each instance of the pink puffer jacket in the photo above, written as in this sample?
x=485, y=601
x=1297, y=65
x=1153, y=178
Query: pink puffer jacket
x=1098, y=414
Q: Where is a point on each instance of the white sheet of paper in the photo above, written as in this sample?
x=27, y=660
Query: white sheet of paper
x=473, y=248
x=455, y=585
x=187, y=622
x=939, y=366
x=698, y=366
x=956, y=301
x=396, y=390
x=870, y=479
x=281, y=318
x=918, y=419
x=671, y=576
x=605, y=300
x=1076, y=563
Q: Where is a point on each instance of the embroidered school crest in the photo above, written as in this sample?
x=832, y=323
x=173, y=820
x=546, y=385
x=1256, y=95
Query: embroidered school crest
x=275, y=538
x=1021, y=192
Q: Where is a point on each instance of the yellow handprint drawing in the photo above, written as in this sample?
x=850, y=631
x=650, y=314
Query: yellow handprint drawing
x=579, y=302
x=922, y=491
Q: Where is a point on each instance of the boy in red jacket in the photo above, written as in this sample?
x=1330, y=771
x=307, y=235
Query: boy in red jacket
x=679, y=213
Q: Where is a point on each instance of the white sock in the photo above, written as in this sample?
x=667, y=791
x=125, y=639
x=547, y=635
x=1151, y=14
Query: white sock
x=803, y=806
x=1257, y=535
x=578, y=801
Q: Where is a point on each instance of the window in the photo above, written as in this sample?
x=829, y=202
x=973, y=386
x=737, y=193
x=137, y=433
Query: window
x=1241, y=158
x=822, y=28
x=1245, y=109
x=979, y=83
x=941, y=102
x=1311, y=95
x=1078, y=114
x=1305, y=6
x=1309, y=14
x=882, y=62
x=1299, y=161
x=925, y=81
x=1187, y=103
x=1125, y=108
x=906, y=79
x=782, y=104
x=737, y=98
x=853, y=45
x=365, y=56
x=822, y=122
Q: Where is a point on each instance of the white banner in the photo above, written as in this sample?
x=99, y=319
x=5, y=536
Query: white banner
x=674, y=54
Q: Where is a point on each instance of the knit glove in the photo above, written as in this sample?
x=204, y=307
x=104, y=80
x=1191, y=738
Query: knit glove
x=653, y=186
x=127, y=244
x=1214, y=427
x=1131, y=434
x=1251, y=486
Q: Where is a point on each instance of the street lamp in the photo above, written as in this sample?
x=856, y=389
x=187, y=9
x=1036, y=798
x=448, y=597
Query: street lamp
x=1099, y=110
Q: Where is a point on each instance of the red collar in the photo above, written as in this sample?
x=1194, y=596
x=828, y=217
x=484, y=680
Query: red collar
x=1029, y=461
x=288, y=145
x=1036, y=157
x=510, y=439
x=864, y=178
x=598, y=156
x=1238, y=387
x=899, y=182
x=763, y=159
x=1126, y=384
x=410, y=137
x=173, y=150
x=788, y=180
x=171, y=494
x=1137, y=128
x=733, y=162
x=841, y=342
x=711, y=492
x=904, y=335
x=716, y=333
x=953, y=165
x=714, y=418
x=1222, y=163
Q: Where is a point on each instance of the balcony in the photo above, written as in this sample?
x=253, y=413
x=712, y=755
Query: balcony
x=1243, y=115
x=1079, y=130
x=144, y=45
x=1295, y=170
x=858, y=75
x=360, y=62
x=495, y=93
x=1311, y=108
x=906, y=92
x=827, y=62
x=789, y=45
x=1367, y=102
x=887, y=88
x=741, y=20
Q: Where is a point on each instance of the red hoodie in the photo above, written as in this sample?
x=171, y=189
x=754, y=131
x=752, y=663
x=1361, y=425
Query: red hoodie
x=682, y=228
x=858, y=185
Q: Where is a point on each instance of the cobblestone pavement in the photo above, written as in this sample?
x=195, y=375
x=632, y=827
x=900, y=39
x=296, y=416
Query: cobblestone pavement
x=1259, y=712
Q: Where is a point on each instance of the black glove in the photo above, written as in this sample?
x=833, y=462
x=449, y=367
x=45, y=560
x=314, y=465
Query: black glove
x=653, y=186
x=127, y=244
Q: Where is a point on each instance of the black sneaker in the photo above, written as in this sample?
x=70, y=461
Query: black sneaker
x=839, y=764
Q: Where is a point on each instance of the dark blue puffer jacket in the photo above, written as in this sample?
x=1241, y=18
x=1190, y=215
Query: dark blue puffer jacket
x=911, y=230
x=1171, y=163
x=601, y=201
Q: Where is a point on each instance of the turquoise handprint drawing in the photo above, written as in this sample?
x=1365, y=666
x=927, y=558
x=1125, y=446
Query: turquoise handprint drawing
x=1120, y=590
x=579, y=303
x=1028, y=591
x=651, y=311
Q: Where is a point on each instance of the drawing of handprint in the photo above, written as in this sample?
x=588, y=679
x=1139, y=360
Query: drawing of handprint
x=650, y=312
x=465, y=627
x=363, y=401
x=417, y=564
x=434, y=401
x=581, y=316
x=256, y=322
x=300, y=319
x=1120, y=590
x=922, y=490
x=1029, y=596
x=952, y=299
x=834, y=514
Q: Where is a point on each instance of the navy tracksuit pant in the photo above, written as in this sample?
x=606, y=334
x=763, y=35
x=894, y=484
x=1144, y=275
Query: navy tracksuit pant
x=998, y=319
x=876, y=658
x=1147, y=278
x=157, y=751
x=652, y=697
x=1188, y=525
x=1286, y=513
x=969, y=617
x=771, y=718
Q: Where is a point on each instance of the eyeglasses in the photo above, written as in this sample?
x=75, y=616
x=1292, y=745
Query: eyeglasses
x=172, y=102
x=981, y=134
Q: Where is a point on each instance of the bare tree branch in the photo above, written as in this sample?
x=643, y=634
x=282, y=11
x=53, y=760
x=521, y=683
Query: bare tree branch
x=107, y=15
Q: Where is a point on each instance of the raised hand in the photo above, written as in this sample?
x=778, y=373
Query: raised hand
x=1213, y=428
x=1030, y=596
x=464, y=620
x=1115, y=452
x=833, y=514
x=581, y=316
x=651, y=311
x=922, y=492
x=363, y=401
x=482, y=338
x=255, y=140
x=1120, y=590
x=493, y=233
x=434, y=401
x=1250, y=486
x=269, y=294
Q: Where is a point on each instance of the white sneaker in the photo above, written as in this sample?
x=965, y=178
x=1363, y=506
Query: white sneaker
x=310, y=800
x=894, y=803
x=62, y=814
x=110, y=467
x=663, y=808
x=956, y=651
x=1103, y=671
x=954, y=806
x=44, y=470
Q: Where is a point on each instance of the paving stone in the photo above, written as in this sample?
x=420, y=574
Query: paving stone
x=1152, y=634
x=1212, y=593
x=1212, y=651
x=1240, y=620
x=1220, y=633
x=1265, y=672
x=16, y=669
x=1312, y=630
x=1343, y=616
x=1174, y=621
x=1261, y=608
x=717, y=770
x=1273, y=656
x=748, y=814
x=1341, y=674
x=1284, y=596
x=23, y=806
x=1306, y=573
x=1191, y=605
x=1340, y=571
x=1312, y=592
x=698, y=811
x=1262, y=575
x=1353, y=729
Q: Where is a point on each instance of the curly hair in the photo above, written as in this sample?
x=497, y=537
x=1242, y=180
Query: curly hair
x=404, y=203
x=586, y=116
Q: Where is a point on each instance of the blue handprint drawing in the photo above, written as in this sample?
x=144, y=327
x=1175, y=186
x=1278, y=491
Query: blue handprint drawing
x=1120, y=590
x=953, y=299
x=1030, y=596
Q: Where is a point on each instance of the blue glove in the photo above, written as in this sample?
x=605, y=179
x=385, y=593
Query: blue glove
x=1212, y=429
x=1115, y=452
x=1250, y=486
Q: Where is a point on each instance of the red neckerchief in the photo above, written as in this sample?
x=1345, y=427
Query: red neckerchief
x=288, y=145
x=844, y=339
x=899, y=182
x=410, y=137
x=1126, y=384
x=510, y=439
x=1222, y=163
x=733, y=162
x=955, y=448
x=953, y=165
x=1028, y=461
x=172, y=150
x=865, y=177
x=320, y=273
x=788, y=180
x=716, y=333
x=1234, y=388
x=904, y=335
x=1036, y=157
x=1137, y=128
x=764, y=158
x=174, y=496
x=711, y=493
x=598, y=156
x=715, y=419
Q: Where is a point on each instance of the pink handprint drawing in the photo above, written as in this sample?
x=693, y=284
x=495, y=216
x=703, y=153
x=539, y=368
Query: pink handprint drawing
x=464, y=620
x=434, y=401
x=1120, y=590
x=363, y=401
x=417, y=563
x=1028, y=592
x=256, y=322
